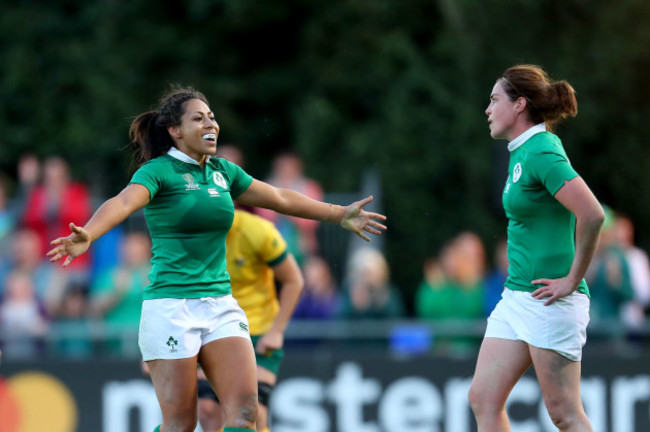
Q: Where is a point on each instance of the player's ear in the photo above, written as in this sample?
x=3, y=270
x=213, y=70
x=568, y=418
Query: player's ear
x=520, y=104
x=174, y=131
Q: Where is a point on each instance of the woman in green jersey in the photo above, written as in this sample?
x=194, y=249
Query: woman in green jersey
x=554, y=223
x=188, y=313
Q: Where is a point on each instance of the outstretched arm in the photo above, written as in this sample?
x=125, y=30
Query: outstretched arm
x=352, y=217
x=579, y=200
x=108, y=216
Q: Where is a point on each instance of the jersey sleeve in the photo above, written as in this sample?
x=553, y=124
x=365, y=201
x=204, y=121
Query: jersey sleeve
x=552, y=169
x=147, y=176
x=273, y=248
x=240, y=180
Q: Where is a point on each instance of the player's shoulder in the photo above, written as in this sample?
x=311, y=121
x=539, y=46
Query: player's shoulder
x=164, y=159
x=221, y=164
x=156, y=163
x=227, y=170
x=544, y=142
x=216, y=162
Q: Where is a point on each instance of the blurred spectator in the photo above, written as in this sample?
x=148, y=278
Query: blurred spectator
x=231, y=153
x=22, y=317
x=47, y=281
x=320, y=297
x=433, y=278
x=6, y=220
x=639, y=267
x=29, y=174
x=496, y=278
x=369, y=293
x=455, y=288
x=608, y=277
x=300, y=234
x=116, y=297
x=71, y=318
x=56, y=202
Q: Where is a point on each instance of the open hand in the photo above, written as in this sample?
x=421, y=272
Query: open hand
x=357, y=220
x=73, y=245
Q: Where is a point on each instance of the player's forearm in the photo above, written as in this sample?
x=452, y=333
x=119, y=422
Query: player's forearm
x=289, y=296
x=295, y=204
x=108, y=216
x=587, y=235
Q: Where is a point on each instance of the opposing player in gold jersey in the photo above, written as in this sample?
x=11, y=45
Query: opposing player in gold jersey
x=256, y=256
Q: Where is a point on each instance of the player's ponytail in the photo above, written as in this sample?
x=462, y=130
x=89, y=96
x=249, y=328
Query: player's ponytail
x=561, y=100
x=148, y=133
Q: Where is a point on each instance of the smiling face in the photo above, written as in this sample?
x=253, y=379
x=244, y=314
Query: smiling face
x=503, y=114
x=197, y=134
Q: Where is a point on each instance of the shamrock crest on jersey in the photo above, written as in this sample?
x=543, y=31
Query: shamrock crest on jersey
x=218, y=179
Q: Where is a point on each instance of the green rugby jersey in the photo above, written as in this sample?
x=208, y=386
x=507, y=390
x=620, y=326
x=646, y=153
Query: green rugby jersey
x=541, y=231
x=189, y=215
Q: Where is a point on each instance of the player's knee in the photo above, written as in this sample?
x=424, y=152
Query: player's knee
x=484, y=403
x=475, y=397
x=264, y=393
x=562, y=414
x=247, y=409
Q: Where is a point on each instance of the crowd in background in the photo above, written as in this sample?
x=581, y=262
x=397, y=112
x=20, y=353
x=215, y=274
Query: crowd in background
x=461, y=282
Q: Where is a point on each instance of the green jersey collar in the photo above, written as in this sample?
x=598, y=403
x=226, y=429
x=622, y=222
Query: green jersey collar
x=517, y=142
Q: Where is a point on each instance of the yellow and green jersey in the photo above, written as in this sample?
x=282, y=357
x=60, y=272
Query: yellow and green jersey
x=541, y=231
x=189, y=215
x=253, y=246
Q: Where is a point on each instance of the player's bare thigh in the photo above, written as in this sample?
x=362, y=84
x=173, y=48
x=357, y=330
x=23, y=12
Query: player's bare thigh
x=500, y=364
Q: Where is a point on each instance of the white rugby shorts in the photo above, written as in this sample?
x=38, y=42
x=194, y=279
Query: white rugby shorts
x=560, y=326
x=173, y=328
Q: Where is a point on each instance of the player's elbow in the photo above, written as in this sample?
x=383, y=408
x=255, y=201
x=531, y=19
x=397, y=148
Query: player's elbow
x=300, y=282
x=594, y=218
x=297, y=281
x=598, y=216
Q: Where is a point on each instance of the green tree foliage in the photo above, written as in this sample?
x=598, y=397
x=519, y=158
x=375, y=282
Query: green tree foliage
x=397, y=86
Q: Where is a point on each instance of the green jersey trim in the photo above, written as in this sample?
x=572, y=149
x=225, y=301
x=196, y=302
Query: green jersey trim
x=278, y=260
